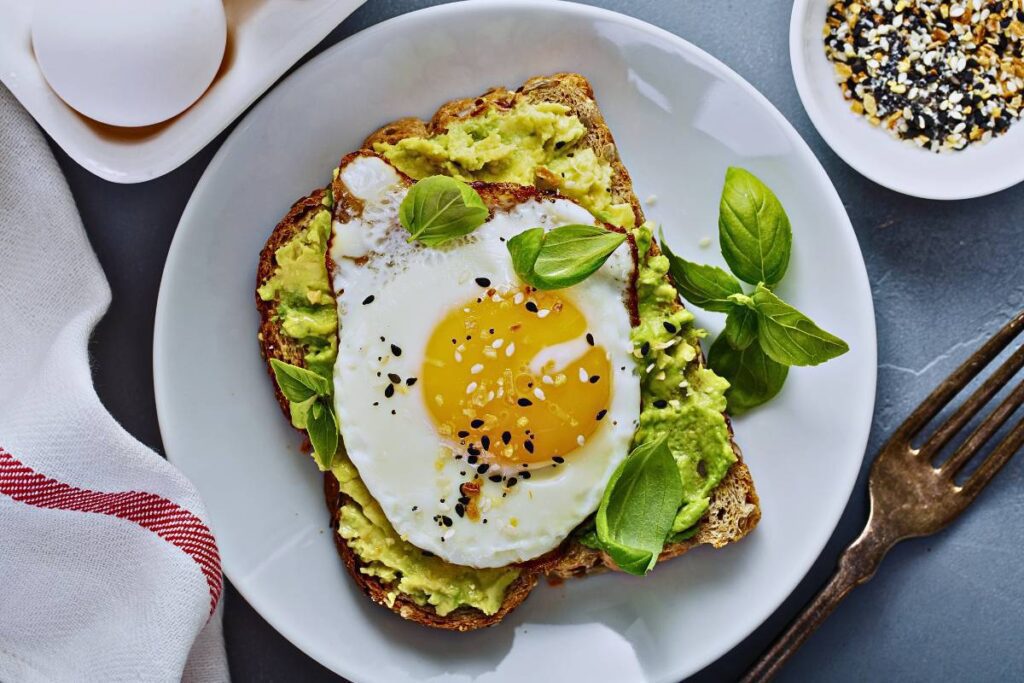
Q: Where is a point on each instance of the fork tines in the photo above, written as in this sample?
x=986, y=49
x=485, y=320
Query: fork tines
x=955, y=384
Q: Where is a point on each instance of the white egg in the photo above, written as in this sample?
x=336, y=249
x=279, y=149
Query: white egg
x=129, y=63
x=396, y=304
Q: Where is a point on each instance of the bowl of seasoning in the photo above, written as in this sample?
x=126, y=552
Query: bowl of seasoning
x=921, y=96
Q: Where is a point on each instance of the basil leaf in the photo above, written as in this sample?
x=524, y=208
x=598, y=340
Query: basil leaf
x=788, y=336
x=754, y=378
x=299, y=384
x=561, y=257
x=706, y=286
x=439, y=208
x=639, y=505
x=753, y=229
x=740, y=327
x=322, y=427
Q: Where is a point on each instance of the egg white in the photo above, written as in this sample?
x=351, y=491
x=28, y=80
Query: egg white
x=400, y=456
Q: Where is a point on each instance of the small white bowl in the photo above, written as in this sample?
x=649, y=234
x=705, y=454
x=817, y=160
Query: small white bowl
x=980, y=169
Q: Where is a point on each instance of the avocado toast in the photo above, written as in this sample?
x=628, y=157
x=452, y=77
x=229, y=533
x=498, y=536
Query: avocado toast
x=548, y=135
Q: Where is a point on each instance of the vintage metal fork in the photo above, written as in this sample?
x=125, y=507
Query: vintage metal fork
x=909, y=495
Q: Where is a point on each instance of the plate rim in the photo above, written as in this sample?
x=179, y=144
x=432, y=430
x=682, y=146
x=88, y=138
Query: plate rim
x=873, y=173
x=719, y=68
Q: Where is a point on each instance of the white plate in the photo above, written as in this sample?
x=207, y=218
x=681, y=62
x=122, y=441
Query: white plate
x=979, y=170
x=680, y=118
x=265, y=38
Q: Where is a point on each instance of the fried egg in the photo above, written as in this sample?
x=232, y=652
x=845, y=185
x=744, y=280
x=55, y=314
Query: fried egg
x=484, y=416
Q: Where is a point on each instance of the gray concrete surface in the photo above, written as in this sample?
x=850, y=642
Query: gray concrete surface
x=944, y=275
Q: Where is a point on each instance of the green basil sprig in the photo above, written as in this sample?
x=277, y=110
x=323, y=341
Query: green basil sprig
x=563, y=256
x=638, y=507
x=309, y=398
x=763, y=334
x=439, y=208
x=753, y=229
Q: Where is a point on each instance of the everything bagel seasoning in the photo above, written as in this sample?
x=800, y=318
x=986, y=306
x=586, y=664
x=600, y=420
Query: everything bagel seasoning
x=939, y=74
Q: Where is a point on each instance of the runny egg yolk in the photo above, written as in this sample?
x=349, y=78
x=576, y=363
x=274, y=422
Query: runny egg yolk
x=515, y=377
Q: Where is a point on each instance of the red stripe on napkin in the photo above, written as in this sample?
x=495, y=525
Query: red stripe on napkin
x=166, y=519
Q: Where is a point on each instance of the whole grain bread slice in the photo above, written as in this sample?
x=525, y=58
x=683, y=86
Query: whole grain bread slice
x=734, y=509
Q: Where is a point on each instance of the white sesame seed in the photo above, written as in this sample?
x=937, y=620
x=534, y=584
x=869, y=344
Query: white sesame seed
x=476, y=369
x=510, y=349
x=547, y=379
x=458, y=357
x=471, y=387
x=580, y=440
x=584, y=376
x=518, y=298
x=543, y=313
x=538, y=393
x=496, y=344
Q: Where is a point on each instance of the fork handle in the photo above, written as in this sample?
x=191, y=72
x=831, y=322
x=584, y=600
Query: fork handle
x=857, y=565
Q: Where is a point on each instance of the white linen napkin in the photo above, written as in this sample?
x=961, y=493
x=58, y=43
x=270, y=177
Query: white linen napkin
x=108, y=570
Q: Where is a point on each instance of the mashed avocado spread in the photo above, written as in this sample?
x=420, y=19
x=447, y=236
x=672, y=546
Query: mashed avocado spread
x=531, y=144
x=525, y=145
x=305, y=305
x=424, y=578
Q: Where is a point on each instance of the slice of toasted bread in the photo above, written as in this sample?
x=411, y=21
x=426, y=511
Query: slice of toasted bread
x=734, y=508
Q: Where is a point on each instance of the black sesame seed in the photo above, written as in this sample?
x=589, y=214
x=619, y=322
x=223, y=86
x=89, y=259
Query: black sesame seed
x=410, y=381
x=524, y=402
x=645, y=348
x=376, y=403
x=473, y=450
x=415, y=508
x=669, y=327
x=446, y=520
x=594, y=379
x=460, y=509
x=529, y=446
x=483, y=468
x=511, y=482
x=368, y=300
x=472, y=459
x=476, y=424
x=495, y=478
x=389, y=391
x=506, y=437
x=485, y=521
x=396, y=350
x=485, y=441
x=395, y=379
x=661, y=403
x=590, y=339
x=483, y=282
x=531, y=307
x=394, y=412
x=559, y=459
x=524, y=475
x=601, y=413
x=464, y=500
x=463, y=434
